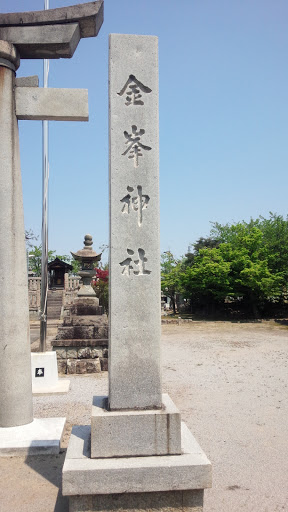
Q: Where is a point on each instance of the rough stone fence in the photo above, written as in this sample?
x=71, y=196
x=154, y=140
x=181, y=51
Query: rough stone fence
x=71, y=286
x=34, y=292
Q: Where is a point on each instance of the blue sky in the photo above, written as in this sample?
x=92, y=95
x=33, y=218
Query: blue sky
x=223, y=120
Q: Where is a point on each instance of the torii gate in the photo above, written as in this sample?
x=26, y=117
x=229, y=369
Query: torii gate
x=49, y=34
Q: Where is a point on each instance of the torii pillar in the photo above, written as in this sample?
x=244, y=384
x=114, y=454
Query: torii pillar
x=49, y=34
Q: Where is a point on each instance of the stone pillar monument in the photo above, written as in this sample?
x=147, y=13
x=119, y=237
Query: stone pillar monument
x=15, y=373
x=32, y=35
x=141, y=456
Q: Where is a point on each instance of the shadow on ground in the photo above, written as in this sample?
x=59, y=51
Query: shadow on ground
x=49, y=467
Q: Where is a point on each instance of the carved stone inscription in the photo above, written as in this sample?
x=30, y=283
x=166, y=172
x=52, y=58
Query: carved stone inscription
x=132, y=89
x=128, y=264
x=134, y=144
x=137, y=203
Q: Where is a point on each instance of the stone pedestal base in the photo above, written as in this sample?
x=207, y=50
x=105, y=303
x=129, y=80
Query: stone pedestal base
x=172, y=501
x=42, y=436
x=146, y=480
x=45, y=374
x=135, y=433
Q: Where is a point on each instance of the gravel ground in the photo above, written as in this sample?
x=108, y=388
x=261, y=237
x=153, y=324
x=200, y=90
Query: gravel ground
x=229, y=381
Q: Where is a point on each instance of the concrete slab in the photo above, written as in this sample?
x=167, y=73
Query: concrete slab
x=84, y=476
x=42, y=436
x=172, y=501
x=44, y=370
x=51, y=104
x=62, y=387
x=135, y=433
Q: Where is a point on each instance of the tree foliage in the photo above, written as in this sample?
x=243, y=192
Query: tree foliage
x=170, y=276
x=244, y=263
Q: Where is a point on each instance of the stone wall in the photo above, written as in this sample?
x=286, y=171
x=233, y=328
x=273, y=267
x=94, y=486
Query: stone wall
x=81, y=342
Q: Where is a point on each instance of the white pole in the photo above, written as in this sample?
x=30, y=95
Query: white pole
x=45, y=184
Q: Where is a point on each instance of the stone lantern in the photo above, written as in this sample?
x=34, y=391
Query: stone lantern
x=88, y=259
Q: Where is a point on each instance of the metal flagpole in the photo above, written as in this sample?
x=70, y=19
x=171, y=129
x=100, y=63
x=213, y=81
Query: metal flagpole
x=44, y=236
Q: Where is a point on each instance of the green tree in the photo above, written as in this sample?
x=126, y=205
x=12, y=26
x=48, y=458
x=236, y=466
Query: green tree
x=35, y=256
x=251, y=276
x=206, y=282
x=170, y=276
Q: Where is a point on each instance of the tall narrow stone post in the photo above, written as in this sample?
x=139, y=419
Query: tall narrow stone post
x=135, y=294
x=15, y=356
x=137, y=454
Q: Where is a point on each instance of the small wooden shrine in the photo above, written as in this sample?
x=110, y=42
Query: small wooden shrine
x=56, y=270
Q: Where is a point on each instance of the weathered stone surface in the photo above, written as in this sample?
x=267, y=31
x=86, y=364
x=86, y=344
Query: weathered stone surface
x=134, y=270
x=93, y=366
x=71, y=366
x=87, y=307
x=81, y=366
x=96, y=353
x=89, y=16
x=88, y=320
x=84, y=353
x=135, y=433
x=43, y=42
x=172, y=501
x=104, y=364
x=10, y=53
x=51, y=104
x=86, y=342
x=72, y=353
x=82, y=475
x=61, y=353
x=27, y=81
x=15, y=361
x=105, y=352
x=62, y=366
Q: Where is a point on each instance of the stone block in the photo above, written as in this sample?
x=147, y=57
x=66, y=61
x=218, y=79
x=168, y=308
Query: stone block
x=172, y=501
x=105, y=352
x=96, y=353
x=85, y=342
x=81, y=366
x=93, y=366
x=85, y=308
x=89, y=320
x=47, y=41
x=62, y=366
x=104, y=364
x=83, y=475
x=61, y=353
x=72, y=353
x=84, y=353
x=41, y=437
x=135, y=433
x=102, y=332
x=71, y=366
x=51, y=104
x=27, y=81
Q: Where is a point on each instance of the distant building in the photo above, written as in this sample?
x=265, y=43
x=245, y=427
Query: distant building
x=56, y=270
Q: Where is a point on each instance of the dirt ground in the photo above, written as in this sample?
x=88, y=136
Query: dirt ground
x=229, y=381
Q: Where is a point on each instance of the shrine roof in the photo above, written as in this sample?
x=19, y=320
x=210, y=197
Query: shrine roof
x=59, y=263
